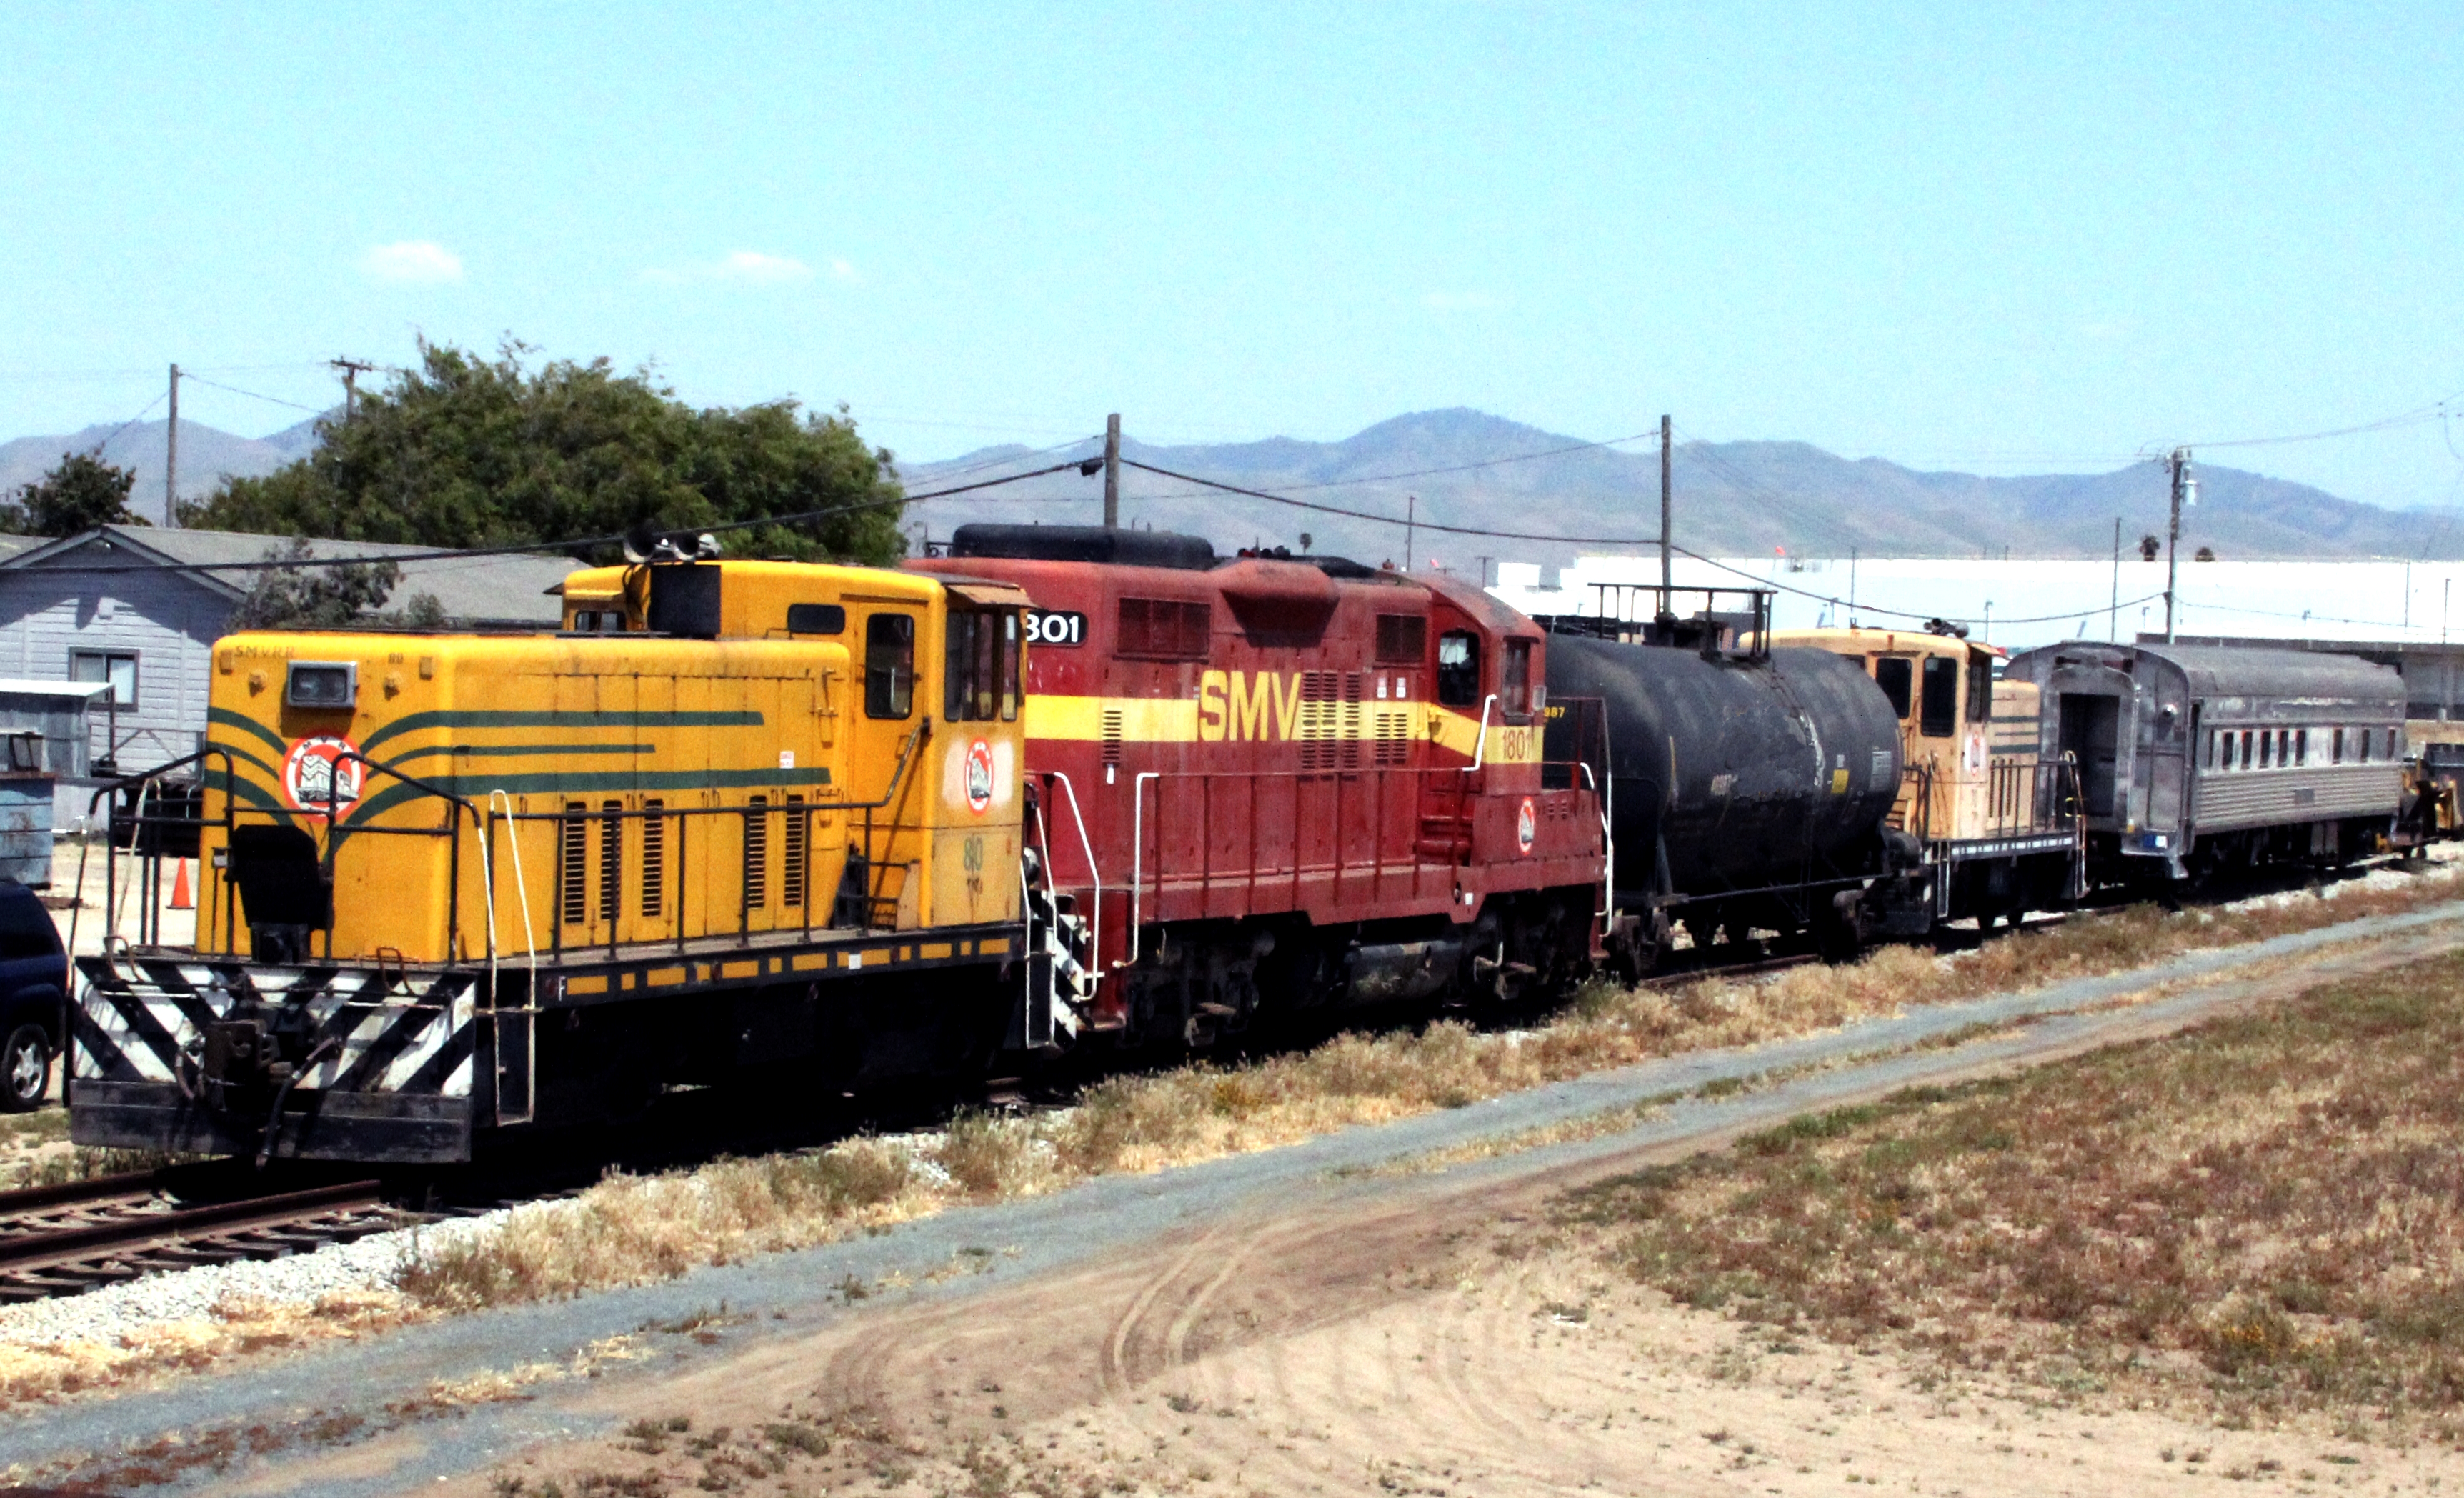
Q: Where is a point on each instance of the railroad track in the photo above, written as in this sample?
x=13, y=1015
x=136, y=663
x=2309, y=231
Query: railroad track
x=68, y=1239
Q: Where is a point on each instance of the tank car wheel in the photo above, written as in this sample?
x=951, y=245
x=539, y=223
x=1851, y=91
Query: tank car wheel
x=25, y=1070
x=1840, y=927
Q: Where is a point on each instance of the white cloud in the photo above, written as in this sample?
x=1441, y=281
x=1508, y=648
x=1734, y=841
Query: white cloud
x=747, y=268
x=757, y=269
x=1462, y=301
x=417, y=260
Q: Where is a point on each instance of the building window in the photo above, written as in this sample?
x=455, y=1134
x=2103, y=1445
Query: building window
x=889, y=664
x=116, y=666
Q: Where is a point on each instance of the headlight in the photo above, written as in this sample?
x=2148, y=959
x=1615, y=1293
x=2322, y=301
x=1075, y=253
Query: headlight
x=322, y=684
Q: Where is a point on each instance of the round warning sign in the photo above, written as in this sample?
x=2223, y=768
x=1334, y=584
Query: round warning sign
x=1526, y=825
x=312, y=776
x=980, y=775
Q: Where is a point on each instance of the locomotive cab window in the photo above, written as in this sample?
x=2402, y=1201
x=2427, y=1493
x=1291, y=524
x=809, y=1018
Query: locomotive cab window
x=815, y=618
x=889, y=666
x=1939, y=705
x=1514, y=680
x=1894, y=675
x=979, y=676
x=1980, y=689
x=1459, y=668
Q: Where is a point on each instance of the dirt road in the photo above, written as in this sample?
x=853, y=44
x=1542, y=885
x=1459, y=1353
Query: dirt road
x=1337, y=1317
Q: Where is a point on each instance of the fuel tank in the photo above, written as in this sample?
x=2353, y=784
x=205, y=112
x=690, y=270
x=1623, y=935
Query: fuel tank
x=1753, y=772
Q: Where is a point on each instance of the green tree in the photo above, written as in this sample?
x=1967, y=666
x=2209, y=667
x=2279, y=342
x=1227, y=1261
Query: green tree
x=296, y=596
x=79, y=493
x=468, y=451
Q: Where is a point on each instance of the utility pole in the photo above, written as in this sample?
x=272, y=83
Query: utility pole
x=1852, y=587
x=352, y=370
x=1484, y=572
x=2113, y=610
x=2185, y=490
x=171, y=458
x=1411, y=516
x=1667, y=567
x=1112, y=472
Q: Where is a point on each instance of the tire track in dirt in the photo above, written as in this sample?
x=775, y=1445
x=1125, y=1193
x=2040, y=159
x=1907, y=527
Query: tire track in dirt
x=1314, y=1301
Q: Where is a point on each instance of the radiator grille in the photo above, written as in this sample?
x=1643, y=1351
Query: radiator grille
x=792, y=873
x=654, y=858
x=756, y=854
x=573, y=864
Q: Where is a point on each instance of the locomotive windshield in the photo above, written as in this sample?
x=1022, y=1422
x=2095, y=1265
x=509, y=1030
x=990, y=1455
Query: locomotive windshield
x=1459, y=668
x=980, y=674
x=889, y=664
x=1894, y=675
x=1940, y=704
x=1514, y=679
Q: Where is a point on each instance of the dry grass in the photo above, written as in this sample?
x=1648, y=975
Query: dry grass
x=632, y=1229
x=2259, y=1215
x=237, y=1325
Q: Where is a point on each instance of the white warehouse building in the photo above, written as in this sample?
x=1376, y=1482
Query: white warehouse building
x=2409, y=614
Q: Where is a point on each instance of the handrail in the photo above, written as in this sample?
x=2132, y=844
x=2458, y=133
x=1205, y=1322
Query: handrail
x=908, y=756
x=456, y=804
x=1095, y=944
x=110, y=845
x=1608, y=848
x=1480, y=745
x=1139, y=856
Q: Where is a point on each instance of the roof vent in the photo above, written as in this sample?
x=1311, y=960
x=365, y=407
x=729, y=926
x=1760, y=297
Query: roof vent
x=1091, y=543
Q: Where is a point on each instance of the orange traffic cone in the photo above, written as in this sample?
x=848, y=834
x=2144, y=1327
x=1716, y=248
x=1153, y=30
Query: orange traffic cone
x=180, y=898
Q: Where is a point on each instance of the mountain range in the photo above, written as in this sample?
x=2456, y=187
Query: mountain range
x=206, y=456
x=1467, y=469
x=1560, y=496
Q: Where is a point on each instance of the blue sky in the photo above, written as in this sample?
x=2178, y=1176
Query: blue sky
x=1999, y=237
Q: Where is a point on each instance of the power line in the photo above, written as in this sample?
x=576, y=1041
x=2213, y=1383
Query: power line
x=2414, y=417
x=192, y=374
x=547, y=548
x=130, y=422
x=1585, y=541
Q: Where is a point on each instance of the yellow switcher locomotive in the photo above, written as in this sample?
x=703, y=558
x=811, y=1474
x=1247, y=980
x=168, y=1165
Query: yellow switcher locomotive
x=452, y=883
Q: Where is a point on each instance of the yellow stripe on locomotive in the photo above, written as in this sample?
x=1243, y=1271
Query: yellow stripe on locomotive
x=767, y=762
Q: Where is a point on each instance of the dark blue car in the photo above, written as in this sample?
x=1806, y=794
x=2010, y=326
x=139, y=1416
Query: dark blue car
x=34, y=978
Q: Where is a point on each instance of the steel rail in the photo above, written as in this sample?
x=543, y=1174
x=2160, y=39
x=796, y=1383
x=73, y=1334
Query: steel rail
x=217, y=1226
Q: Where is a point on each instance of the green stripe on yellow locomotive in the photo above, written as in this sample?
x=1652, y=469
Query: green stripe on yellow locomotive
x=762, y=766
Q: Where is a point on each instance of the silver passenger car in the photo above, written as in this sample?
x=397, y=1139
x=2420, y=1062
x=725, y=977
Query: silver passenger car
x=2195, y=756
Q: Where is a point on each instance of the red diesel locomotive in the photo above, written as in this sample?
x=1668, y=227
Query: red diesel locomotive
x=1268, y=784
